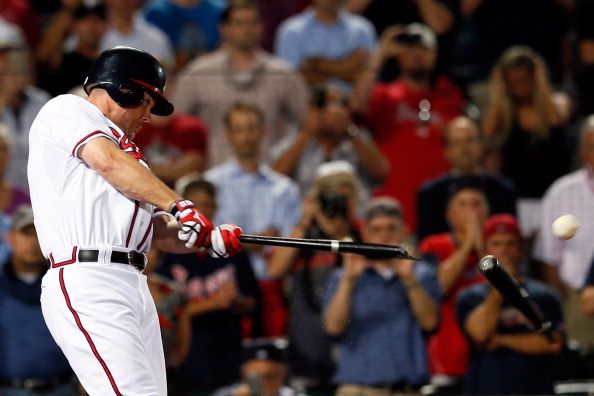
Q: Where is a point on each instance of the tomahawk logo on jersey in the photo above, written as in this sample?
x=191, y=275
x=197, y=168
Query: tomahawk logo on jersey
x=129, y=147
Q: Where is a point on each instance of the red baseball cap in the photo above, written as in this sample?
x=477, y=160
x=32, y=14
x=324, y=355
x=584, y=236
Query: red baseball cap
x=501, y=223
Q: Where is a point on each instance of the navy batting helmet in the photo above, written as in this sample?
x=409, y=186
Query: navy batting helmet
x=126, y=74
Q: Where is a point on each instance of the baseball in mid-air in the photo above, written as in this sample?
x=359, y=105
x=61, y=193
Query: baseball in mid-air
x=566, y=226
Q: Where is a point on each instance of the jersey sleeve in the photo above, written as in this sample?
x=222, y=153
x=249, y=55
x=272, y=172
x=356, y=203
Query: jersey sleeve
x=75, y=122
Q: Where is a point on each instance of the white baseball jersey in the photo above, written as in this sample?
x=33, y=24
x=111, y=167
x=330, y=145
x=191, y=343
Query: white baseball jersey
x=73, y=205
x=101, y=314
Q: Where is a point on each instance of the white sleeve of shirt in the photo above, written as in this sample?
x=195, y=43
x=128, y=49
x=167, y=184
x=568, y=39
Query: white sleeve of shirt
x=77, y=122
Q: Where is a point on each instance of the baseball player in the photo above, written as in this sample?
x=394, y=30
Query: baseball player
x=96, y=207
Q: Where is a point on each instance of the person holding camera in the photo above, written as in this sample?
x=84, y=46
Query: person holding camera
x=381, y=310
x=329, y=134
x=407, y=116
x=329, y=211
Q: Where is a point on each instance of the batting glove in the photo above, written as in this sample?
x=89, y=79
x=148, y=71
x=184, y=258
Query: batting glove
x=194, y=229
x=224, y=241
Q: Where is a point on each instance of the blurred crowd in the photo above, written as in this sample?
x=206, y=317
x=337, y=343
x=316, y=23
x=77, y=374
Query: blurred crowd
x=453, y=128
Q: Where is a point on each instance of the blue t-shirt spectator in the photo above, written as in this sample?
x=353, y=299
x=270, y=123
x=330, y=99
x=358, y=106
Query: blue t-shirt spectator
x=303, y=36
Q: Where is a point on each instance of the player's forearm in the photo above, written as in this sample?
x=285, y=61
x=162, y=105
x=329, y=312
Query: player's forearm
x=338, y=313
x=126, y=174
x=481, y=323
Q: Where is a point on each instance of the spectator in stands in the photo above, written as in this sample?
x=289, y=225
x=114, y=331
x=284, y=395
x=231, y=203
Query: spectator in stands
x=273, y=14
x=326, y=43
x=175, y=146
x=329, y=134
x=457, y=253
x=191, y=25
x=464, y=149
x=524, y=125
x=263, y=371
x=508, y=356
x=540, y=24
x=32, y=363
x=407, y=117
x=59, y=71
x=21, y=14
x=19, y=103
x=127, y=27
x=327, y=214
x=240, y=71
x=256, y=198
x=440, y=15
x=566, y=263
x=220, y=293
x=380, y=310
x=11, y=197
x=10, y=36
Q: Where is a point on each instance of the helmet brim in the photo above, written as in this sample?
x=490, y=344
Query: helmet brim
x=162, y=107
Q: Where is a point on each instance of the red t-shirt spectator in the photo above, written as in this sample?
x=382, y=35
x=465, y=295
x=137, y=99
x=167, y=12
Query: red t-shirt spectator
x=407, y=126
x=447, y=348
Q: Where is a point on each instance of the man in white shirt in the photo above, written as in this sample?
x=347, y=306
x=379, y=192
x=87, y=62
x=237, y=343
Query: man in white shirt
x=567, y=261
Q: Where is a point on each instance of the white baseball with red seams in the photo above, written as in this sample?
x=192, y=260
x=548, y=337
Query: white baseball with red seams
x=75, y=208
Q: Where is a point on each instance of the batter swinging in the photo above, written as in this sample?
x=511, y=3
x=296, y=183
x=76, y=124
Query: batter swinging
x=96, y=212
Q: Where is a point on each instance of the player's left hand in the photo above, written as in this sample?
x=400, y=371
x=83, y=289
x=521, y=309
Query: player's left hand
x=195, y=228
x=224, y=241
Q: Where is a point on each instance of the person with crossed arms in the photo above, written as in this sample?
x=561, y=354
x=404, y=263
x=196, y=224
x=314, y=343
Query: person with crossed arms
x=96, y=207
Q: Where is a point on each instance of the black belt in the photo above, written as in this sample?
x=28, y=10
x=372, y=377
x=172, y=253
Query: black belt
x=39, y=385
x=134, y=258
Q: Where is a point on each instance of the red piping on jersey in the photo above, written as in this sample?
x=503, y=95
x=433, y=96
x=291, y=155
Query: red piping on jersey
x=81, y=141
x=86, y=334
x=146, y=234
x=136, y=206
x=65, y=262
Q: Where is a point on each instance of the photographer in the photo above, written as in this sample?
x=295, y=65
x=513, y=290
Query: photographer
x=328, y=134
x=328, y=212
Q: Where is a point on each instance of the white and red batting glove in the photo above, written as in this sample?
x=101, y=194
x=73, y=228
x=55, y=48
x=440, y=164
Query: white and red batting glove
x=224, y=241
x=194, y=229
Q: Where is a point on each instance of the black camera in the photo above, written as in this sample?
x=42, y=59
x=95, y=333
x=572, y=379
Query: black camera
x=333, y=204
x=409, y=38
x=319, y=97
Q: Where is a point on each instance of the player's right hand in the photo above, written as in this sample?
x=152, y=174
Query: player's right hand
x=195, y=228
